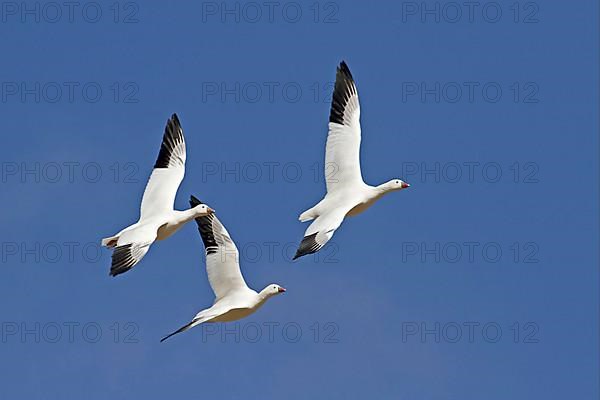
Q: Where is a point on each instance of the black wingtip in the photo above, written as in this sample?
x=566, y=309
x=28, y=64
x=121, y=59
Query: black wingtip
x=343, y=68
x=308, y=245
x=166, y=337
x=173, y=134
x=300, y=253
x=344, y=88
x=173, y=122
x=122, y=260
x=182, y=329
x=194, y=201
x=117, y=272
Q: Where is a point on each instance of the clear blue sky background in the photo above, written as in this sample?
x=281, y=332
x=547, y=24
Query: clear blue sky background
x=372, y=287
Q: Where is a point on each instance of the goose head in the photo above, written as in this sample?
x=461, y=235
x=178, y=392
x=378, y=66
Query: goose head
x=272, y=290
x=394, y=185
x=202, y=210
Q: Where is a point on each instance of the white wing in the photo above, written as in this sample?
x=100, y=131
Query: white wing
x=168, y=172
x=342, y=152
x=201, y=317
x=320, y=231
x=131, y=247
x=222, y=257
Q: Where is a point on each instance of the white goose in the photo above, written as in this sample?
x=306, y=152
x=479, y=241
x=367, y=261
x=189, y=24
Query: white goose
x=157, y=219
x=233, y=298
x=347, y=194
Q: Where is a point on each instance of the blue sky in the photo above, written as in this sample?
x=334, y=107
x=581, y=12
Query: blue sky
x=480, y=281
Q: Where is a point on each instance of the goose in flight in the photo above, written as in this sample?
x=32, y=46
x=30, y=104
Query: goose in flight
x=347, y=194
x=233, y=298
x=157, y=219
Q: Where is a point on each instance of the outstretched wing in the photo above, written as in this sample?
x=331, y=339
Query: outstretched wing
x=222, y=257
x=168, y=172
x=201, y=317
x=131, y=247
x=319, y=232
x=342, y=152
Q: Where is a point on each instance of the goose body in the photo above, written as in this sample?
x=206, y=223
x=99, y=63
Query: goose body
x=233, y=298
x=158, y=220
x=347, y=193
